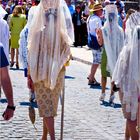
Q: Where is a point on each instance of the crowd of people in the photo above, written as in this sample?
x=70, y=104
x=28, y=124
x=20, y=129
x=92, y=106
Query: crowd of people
x=42, y=32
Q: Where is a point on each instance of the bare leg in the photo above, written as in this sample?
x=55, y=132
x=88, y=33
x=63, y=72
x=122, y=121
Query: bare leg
x=12, y=55
x=49, y=121
x=112, y=93
x=112, y=96
x=103, y=82
x=92, y=72
x=132, y=129
x=45, y=131
x=16, y=56
x=127, y=135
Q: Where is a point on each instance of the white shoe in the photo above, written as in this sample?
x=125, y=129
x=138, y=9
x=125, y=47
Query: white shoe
x=102, y=97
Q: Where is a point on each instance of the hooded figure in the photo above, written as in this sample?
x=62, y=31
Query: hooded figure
x=50, y=37
x=127, y=70
x=113, y=42
x=49, y=41
x=113, y=36
x=126, y=75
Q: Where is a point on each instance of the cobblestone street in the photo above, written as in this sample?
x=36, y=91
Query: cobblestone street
x=85, y=118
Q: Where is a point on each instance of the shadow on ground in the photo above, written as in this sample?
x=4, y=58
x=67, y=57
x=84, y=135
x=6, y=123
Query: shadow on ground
x=107, y=104
x=3, y=101
x=98, y=87
x=69, y=77
x=32, y=104
x=15, y=69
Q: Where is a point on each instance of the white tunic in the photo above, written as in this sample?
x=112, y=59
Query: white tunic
x=113, y=37
x=127, y=70
x=4, y=36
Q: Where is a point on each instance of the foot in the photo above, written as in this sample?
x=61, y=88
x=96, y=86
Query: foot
x=111, y=100
x=102, y=97
x=44, y=138
x=17, y=66
x=94, y=83
x=11, y=64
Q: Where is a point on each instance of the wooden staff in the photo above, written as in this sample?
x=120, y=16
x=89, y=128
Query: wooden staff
x=138, y=118
x=62, y=109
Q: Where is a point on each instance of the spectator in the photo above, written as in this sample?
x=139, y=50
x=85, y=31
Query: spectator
x=91, y=5
x=93, y=23
x=79, y=22
x=70, y=6
x=121, y=4
x=49, y=50
x=16, y=24
x=121, y=13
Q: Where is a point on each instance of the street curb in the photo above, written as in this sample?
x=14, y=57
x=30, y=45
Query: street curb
x=81, y=60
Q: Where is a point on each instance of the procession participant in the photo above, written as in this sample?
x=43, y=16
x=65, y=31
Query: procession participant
x=50, y=37
x=93, y=23
x=126, y=76
x=111, y=36
x=5, y=34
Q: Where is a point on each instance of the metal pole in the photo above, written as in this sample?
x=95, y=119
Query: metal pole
x=62, y=109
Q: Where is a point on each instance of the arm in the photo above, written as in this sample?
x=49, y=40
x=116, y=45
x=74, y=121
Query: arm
x=8, y=91
x=99, y=36
x=5, y=82
x=7, y=86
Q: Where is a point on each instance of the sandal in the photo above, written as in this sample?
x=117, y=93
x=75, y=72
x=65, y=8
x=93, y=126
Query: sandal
x=11, y=64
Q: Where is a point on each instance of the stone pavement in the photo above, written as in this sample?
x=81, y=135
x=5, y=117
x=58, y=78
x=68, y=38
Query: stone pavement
x=83, y=54
x=84, y=119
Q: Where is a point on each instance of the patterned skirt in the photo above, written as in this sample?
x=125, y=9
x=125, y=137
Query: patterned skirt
x=47, y=99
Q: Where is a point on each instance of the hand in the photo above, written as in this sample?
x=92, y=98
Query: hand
x=30, y=83
x=114, y=88
x=8, y=114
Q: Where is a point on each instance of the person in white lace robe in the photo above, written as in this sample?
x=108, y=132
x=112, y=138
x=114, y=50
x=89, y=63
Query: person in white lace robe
x=50, y=37
x=126, y=76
